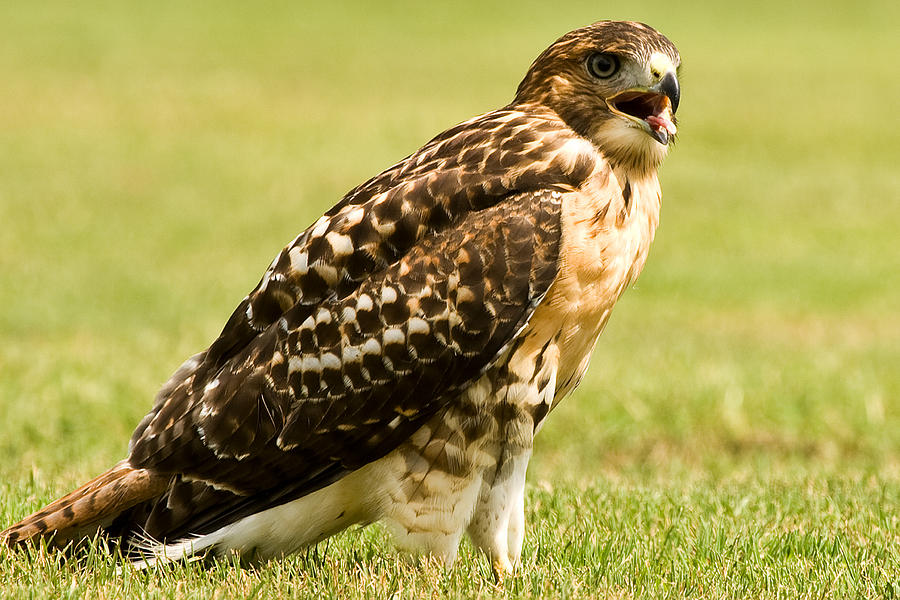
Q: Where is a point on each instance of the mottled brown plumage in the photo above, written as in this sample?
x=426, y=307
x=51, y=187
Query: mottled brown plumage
x=397, y=357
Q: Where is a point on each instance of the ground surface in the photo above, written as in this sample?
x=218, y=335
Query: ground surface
x=739, y=432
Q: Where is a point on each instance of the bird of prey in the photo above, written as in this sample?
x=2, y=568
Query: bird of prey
x=397, y=358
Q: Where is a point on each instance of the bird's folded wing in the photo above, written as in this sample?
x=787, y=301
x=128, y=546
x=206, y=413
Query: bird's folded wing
x=328, y=388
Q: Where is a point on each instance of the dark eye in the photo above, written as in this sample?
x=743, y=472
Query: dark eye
x=602, y=65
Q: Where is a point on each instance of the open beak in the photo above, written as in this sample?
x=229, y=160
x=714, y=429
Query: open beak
x=652, y=108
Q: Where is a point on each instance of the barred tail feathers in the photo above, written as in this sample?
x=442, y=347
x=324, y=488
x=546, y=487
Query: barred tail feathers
x=91, y=507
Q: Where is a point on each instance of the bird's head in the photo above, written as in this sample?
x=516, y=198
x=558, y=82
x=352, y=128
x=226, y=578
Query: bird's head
x=616, y=84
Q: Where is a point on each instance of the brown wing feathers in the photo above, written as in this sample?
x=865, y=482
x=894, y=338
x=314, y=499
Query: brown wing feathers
x=399, y=349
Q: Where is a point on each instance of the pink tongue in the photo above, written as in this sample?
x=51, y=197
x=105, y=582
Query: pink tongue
x=658, y=122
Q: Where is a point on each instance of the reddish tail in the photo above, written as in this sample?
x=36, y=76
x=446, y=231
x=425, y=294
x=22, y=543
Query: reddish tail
x=89, y=508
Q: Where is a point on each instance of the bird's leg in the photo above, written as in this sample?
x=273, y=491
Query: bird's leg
x=498, y=526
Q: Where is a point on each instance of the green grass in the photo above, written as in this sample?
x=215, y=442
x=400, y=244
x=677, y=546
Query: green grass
x=738, y=434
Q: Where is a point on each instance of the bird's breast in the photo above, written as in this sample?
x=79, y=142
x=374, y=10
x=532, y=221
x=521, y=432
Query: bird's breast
x=608, y=226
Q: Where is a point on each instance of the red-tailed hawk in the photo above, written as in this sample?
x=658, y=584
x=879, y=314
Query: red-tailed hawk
x=397, y=357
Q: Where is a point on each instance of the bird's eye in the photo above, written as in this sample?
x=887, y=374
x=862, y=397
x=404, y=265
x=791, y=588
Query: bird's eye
x=602, y=66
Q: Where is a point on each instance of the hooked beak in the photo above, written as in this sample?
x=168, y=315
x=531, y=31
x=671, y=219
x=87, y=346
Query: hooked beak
x=652, y=108
x=668, y=85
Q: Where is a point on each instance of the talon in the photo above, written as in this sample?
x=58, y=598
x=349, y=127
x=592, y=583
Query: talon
x=502, y=569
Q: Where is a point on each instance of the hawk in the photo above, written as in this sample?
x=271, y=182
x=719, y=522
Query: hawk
x=398, y=357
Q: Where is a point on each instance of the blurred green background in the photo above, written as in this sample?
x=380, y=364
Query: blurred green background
x=154, y=157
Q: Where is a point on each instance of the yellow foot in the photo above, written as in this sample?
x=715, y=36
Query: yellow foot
x=503, y=569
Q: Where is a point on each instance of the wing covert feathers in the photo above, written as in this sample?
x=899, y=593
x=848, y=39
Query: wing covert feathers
x=469, y=167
